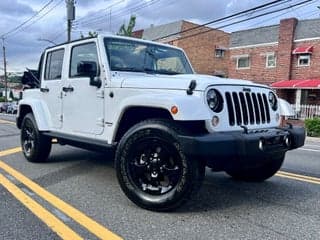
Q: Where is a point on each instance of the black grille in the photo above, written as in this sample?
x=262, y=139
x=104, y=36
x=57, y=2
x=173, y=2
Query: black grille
x=247, y=108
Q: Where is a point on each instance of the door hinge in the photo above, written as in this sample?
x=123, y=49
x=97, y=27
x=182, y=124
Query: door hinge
x=100, y=94
x=100, y=122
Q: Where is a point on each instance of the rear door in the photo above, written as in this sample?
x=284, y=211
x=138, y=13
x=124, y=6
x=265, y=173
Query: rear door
x=83, y=104
x=51, y=85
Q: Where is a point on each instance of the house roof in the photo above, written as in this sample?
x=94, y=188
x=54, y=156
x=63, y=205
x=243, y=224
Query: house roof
x=305, y=29
x=254, y=36
x=157, y=32
x=308, y=29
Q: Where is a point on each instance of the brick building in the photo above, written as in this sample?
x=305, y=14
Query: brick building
x=207, y=51
x=284, y=56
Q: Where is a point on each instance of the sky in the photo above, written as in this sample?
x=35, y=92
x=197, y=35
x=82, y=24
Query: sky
x=29, y=26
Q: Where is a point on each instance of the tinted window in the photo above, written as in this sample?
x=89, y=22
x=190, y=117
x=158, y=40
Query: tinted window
x=82, y=53
x=54, y=65
x=124, y=55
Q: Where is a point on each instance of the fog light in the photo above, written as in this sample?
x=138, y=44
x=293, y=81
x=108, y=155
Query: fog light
x=261, y=147
x=215, y=121
x=287, y=141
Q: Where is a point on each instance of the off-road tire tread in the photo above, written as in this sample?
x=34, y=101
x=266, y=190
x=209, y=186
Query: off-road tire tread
x=42, y=143
x=174, y=130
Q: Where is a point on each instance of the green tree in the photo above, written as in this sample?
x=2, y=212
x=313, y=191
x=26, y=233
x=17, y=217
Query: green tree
x=127, y=30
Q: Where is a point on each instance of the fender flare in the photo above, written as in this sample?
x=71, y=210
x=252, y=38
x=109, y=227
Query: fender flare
x=39, y=111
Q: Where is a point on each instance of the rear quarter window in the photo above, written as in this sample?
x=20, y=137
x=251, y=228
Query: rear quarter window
x=54, y=63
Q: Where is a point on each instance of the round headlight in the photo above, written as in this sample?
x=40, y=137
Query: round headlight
x=273, y=101
x=214, y=100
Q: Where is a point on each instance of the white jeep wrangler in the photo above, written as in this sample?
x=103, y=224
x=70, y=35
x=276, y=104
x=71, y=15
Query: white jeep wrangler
x=165, y=122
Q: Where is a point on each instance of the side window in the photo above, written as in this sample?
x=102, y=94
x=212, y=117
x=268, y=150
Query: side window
x=82, y=53
x=54, y=62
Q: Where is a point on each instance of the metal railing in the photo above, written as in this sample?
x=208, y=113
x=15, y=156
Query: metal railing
x=306, y=111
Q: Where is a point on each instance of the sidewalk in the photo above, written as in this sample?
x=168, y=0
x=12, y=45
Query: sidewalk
x=313, y=139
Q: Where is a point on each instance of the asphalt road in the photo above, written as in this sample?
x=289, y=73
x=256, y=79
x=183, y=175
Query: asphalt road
x=76, y=194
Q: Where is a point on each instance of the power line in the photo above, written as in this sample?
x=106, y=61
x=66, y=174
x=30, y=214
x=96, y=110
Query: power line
x=120, y=12
x=39, y=18
x=279, y=15
x=101, y=11
x=244, y=20
x=58, y=35
x=45, y=14
x=26, y=21
x=227, y=17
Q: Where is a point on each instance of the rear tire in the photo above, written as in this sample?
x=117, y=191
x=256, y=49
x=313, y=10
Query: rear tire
x=35, y=146
x=258, y=174
x=152, y=169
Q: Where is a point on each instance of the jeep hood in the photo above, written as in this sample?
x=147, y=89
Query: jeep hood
x=174, y=82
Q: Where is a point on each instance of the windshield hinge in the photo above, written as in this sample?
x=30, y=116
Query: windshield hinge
x=100, y=94
x=100, y=122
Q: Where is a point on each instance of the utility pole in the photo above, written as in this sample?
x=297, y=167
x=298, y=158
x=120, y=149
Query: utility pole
x=5, y=71
x=71, y=12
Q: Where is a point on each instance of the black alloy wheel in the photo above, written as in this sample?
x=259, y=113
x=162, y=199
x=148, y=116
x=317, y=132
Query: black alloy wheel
x=153, y=170
x=154, y=166
x=35, y=146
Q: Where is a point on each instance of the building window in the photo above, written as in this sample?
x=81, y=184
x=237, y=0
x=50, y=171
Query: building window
x=271, y=60
x=219, y=53
x=243, y=62
x=304, y=60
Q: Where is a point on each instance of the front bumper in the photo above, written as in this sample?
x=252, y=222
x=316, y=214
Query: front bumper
x=228, y=150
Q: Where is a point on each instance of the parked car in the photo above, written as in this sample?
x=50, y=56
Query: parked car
x=4, y=107
x=12, y=108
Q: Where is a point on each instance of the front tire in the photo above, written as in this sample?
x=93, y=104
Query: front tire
x=152, y=169
x=35, y=146
x=260, y=173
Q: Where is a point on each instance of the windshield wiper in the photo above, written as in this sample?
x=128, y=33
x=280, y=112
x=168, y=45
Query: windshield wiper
x=145, y=70
x=161, y=71
x=127, y=69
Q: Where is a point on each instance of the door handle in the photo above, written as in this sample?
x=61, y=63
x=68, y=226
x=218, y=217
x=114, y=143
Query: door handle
x=68, y=89
x=44, y=90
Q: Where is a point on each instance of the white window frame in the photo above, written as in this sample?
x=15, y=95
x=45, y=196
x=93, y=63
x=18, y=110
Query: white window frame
x=268, y=55
x=305, y=56
x=249, y=62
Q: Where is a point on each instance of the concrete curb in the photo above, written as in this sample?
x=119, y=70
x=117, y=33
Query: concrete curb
x=313, y=139
x=7, y=114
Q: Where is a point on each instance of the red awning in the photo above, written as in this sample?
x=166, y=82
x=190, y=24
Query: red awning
x=297, y=84
x=303, y=50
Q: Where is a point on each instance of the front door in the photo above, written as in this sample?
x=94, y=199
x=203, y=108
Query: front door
x=51, y=86
x=83, y=104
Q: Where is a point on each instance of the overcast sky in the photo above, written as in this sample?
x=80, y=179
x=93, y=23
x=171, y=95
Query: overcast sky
x=24, y=46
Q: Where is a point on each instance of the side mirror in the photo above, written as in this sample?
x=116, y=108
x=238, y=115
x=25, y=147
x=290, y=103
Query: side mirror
x=89, y=69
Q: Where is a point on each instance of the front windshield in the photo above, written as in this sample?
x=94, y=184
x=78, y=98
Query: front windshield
x=134, y=56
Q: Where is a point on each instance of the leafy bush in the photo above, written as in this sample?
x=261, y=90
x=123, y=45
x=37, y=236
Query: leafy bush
x=2, y=99
x=313, y=127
